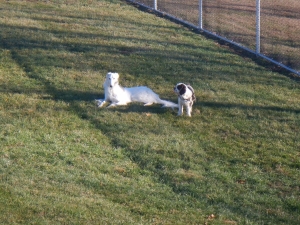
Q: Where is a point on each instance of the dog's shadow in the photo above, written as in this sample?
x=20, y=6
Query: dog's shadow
x=140, y=108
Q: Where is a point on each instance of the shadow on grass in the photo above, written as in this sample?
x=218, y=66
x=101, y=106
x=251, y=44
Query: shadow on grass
x=248, y=107
x=139, y=154
x=159, y=165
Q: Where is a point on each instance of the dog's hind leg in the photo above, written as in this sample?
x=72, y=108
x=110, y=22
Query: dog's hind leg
x=149, y=103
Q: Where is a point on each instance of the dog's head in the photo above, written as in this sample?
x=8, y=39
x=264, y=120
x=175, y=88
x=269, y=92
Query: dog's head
x=180, y=89
x=185, y=91
x=112, y=79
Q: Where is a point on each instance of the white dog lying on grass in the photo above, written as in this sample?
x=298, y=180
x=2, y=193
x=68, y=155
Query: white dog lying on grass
x=119, y=95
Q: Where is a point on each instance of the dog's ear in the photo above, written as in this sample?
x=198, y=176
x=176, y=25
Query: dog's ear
x=182, y=89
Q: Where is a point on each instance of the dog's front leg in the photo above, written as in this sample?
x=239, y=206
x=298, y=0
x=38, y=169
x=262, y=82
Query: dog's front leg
x=189, y=110
x=180, y=108
x=111, y=105
x=100, y=102
x=116, y=104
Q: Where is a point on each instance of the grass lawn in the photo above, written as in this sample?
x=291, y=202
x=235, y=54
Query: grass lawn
x=65, y=161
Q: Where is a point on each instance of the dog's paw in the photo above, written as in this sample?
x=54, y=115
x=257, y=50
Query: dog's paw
x=100, y=102
x=149, y=103
x=111, y=105
x=114, y=104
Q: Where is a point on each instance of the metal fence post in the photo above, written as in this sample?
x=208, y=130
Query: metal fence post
x=200, y=15
x=257, y=26
x=200, y=26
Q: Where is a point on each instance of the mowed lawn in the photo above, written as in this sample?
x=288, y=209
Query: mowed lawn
x=65, y=161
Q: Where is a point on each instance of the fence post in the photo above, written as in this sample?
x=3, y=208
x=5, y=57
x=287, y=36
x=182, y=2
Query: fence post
x=155, y=4
x=257, y=26
x=200, y=15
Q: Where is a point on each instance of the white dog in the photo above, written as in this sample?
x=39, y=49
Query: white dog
x=186, y=98
x=118, y=95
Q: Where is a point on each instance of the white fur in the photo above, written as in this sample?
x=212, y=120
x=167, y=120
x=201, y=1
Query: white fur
x=186, y=98
x=119, y=95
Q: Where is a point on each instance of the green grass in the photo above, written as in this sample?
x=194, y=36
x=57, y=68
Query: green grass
x=65, y=161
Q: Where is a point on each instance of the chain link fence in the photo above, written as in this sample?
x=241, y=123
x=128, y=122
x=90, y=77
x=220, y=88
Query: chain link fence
x=277, y=38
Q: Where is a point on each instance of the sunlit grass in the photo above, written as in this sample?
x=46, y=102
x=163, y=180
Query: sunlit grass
x=65, y=161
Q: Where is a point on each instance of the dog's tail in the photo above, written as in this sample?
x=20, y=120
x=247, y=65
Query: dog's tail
x=168, y=104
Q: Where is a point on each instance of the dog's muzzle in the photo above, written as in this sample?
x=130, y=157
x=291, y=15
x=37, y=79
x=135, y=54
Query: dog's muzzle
x=176, y=90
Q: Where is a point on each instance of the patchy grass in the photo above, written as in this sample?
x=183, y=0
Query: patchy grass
x=64, y=161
